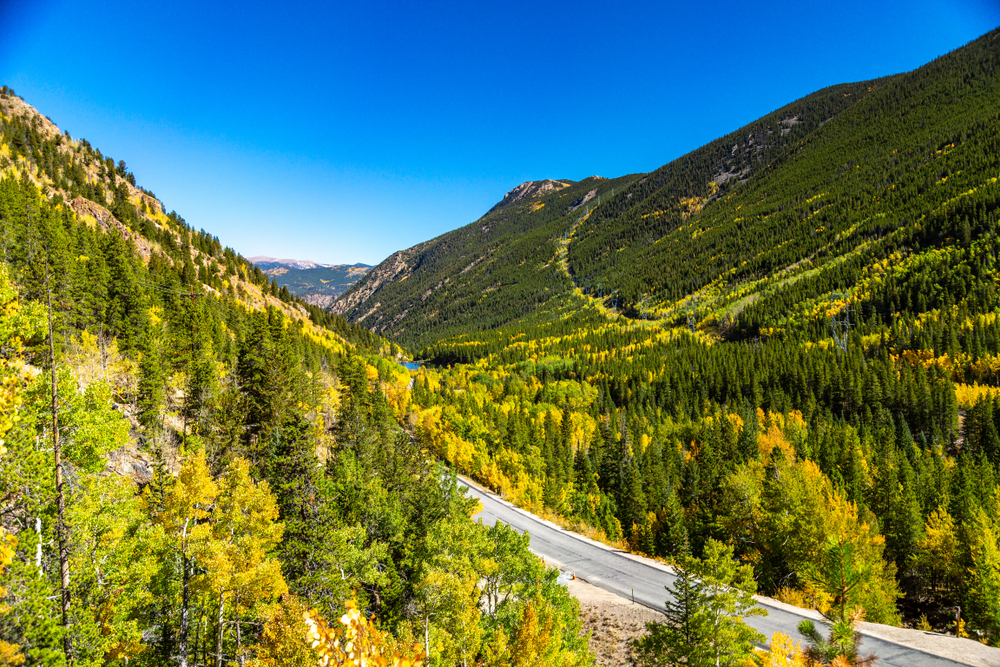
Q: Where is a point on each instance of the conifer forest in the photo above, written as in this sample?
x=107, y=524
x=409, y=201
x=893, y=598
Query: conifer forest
x=773, y=363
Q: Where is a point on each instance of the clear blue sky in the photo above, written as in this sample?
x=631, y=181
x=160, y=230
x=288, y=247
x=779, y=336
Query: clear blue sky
x=343, y=131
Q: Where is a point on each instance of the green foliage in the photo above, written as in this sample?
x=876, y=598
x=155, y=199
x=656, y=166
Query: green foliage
x=497, y=270
x=838, y=579
x=708, y=602
x=267, y=438
x=984, y=573
x=685, y=371
x=650, y=357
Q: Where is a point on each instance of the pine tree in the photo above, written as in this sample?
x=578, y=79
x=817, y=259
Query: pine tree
x=838, y=578
x=672, y=539
x=151, y=379
x=708, y=601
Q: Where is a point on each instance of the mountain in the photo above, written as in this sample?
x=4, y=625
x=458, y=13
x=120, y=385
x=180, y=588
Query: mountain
x=786, y=341
x=317, y=284
x=777, y=357
x=787, y=207
x=79, y=181
x=272, y=262
x=483, y=275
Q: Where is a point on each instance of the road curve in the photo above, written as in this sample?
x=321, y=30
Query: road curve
x=628, y=575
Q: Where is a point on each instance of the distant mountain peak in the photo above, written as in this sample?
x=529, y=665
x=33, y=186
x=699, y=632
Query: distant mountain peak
x=318, y=284
x=291, y=263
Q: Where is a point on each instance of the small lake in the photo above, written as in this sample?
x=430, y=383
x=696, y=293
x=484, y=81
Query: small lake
x=412, y=365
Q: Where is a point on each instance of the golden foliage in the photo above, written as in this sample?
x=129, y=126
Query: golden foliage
x=968, y=395
x=785, y=652
x=10, y=654
x=773, y=439
x=532, y=640
x=358, y=642
x=284, y=641
x=806, y=599
x=780, y=430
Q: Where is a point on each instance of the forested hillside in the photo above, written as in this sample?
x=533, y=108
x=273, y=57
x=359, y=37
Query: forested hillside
x=787, y=340
x=197, y=468
x=481, y=276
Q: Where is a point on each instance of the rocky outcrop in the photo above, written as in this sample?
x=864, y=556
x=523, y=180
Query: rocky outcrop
x=397, y=266
x=529, y=190
x=15, y=106
x=322, y=300
x=583, y=200
x=88, y=209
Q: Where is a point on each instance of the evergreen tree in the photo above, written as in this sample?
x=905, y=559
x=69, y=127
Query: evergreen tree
x=708, y=602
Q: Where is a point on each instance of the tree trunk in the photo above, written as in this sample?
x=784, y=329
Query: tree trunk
x=240, y=658
x=38, y=547
x=182, y=633
x=427, y=639
x=60, y=495
x=218, y=632
x=196, y=646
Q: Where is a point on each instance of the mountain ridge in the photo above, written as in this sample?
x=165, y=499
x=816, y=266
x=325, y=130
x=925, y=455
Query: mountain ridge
x=74, y=175
x=422, y=283
x=316, y=284
x=272, y=262
x=677, y=239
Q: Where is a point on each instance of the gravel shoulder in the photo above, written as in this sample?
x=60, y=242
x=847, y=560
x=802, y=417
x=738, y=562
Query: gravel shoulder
x=612, y=622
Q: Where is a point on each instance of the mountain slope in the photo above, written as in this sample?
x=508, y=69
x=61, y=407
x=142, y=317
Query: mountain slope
x=92, y=188
x=225, y=448
x=785, y=203
x=537, y=221
x=903, y=147
x=802, y=363
x=483, y=275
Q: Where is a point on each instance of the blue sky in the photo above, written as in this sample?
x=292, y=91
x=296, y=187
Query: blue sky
x=341, y=132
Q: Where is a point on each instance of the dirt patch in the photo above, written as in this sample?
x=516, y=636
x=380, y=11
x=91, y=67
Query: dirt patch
x=86, y=208
x=612, y=621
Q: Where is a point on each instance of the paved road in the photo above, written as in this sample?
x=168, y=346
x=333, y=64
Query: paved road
x=626, y=575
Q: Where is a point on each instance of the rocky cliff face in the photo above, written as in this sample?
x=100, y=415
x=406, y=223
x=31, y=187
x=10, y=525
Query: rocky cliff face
x=398, y=266
x=528, y=190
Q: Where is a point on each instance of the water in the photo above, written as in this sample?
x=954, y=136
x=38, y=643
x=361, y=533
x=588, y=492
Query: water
x=412, y=365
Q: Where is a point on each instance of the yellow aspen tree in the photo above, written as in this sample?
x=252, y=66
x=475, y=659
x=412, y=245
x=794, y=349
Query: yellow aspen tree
x=284, y=641
x=181, y=515
x=10, y=654
x=357, y=642
x=784, y=652
x=239, y=567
